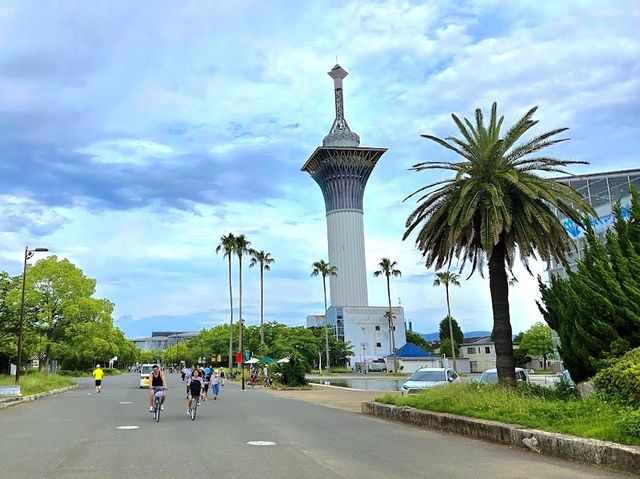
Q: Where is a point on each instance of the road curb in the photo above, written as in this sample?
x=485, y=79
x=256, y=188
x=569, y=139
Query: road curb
x=19, y=400
x=589, y=451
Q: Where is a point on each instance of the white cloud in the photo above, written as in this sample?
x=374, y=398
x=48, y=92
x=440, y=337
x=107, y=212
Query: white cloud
x=216, y=83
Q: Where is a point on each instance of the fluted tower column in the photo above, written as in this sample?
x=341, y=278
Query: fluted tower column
x=341, y=168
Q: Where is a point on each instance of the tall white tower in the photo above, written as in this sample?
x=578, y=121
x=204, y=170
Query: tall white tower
x=341, y=168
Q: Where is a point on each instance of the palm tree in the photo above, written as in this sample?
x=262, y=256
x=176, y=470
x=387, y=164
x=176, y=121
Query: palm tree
x=241, y=247
x=387, y=268
x=227, y=245
x=264, y=260
x=447, y=278
x=325, y=269
x=495, y=206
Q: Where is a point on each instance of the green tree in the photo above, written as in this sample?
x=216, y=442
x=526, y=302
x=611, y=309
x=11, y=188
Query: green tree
x=449, y=279
x=227, y=246
x=58, y=296
x=8, y=320
x=596, y=309
x=324, y=269
x=449, y=330
x=496, y=206
x=418, y=340
x=387, y=269
x=537, y=341
x=263, y=260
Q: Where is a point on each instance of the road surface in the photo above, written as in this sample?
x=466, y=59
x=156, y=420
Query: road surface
x=244, y=434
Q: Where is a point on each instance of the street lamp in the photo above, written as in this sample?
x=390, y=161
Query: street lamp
x=28, y=253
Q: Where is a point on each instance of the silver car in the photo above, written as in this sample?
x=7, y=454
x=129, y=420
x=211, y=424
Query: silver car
x=491, y=376
x=425, y=378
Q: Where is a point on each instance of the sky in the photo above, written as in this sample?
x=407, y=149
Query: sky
x=134, y=134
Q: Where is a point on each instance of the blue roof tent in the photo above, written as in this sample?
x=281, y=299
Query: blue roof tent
x=410, y=350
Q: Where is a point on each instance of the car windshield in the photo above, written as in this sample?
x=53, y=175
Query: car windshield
x=428, y=376
x=489, y=377
x=146, y=369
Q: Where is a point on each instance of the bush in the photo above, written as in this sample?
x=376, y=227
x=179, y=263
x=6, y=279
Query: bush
x=629, y=424
x=293, y=373
x=620, y=382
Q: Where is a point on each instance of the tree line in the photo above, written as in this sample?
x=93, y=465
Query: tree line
x=62, y=319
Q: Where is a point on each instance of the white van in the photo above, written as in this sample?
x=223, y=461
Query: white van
x=145, y=372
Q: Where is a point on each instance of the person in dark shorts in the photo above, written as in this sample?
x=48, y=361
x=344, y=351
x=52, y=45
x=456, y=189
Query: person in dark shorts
x=98, y=374
x=194, y=387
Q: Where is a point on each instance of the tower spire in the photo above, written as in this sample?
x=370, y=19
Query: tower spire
x=340, y=133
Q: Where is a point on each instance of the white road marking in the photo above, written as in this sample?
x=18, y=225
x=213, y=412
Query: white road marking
x=261, y=443
x=125, y=402
x=128, y=427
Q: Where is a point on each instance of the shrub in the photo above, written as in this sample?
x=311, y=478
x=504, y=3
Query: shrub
x=620, y=382
x=629, y=424
x=293, y=373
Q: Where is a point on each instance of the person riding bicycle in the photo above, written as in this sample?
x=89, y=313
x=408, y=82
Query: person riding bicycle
x=157, y=385
x=194, y=387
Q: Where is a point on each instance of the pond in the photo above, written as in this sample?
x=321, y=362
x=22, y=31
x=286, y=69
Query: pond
x=368, y=384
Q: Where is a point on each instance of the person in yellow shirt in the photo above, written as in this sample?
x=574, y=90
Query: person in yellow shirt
x=98, y=373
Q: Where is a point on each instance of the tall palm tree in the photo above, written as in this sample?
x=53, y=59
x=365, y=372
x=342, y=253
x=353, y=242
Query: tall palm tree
x=227, y=245
x=325, y=269
x=387, y=268
x=496, y=205
x=448, y=278
x=241, y=247
x=264, y=260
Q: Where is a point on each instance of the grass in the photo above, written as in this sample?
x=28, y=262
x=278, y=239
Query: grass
x=591, y=418
x=37, y=382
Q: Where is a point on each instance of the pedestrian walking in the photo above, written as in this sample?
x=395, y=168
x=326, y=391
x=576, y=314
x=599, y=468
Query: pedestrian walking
x=215, y=384
x=98, y=374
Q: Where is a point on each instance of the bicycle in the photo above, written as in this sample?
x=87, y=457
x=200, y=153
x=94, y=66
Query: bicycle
x=158, y=392
x=194, y=406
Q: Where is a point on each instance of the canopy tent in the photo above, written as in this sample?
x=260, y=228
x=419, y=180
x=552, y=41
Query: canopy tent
x=252, y=361
x=267, y=360
x=283, y=360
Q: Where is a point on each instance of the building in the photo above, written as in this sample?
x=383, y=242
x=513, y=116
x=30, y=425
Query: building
x=161, y=340
x=341, y=168
x=602, y=190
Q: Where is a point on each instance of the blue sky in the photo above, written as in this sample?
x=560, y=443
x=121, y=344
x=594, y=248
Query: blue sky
x=135, y=134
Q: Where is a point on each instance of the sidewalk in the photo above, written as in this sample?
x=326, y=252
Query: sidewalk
x=331, y=396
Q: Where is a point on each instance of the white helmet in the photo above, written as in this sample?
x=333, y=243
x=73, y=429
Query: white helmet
x=97, y=365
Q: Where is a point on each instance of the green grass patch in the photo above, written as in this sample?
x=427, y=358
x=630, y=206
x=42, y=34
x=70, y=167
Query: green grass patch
x=530, y=407
x=34, y=383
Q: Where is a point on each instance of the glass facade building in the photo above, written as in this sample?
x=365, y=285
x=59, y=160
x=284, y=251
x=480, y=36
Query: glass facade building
x=602, y=190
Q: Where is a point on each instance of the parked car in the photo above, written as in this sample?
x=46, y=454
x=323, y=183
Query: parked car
x=491, y=376
x=425, y=378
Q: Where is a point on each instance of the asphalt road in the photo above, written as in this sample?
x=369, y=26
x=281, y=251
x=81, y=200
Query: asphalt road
x=75, y=435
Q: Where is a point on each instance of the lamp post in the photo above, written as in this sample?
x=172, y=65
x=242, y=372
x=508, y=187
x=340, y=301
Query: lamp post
x=28, y=253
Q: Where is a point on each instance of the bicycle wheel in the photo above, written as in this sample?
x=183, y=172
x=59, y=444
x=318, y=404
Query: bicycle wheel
x=157, y=411
x=194, y=407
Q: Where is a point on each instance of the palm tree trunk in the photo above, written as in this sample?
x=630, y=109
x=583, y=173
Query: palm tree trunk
x=502, y=334
x=326, y=323
x=231, y=315
x=392, y=333
x=241, y=319
x=453, y=349
x=261, y=305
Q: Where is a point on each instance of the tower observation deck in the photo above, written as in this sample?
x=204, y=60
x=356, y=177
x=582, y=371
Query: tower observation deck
x=341, y=167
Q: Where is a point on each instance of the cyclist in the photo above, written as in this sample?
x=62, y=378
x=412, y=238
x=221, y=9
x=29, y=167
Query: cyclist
x=194, y=386
x=157, y=381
